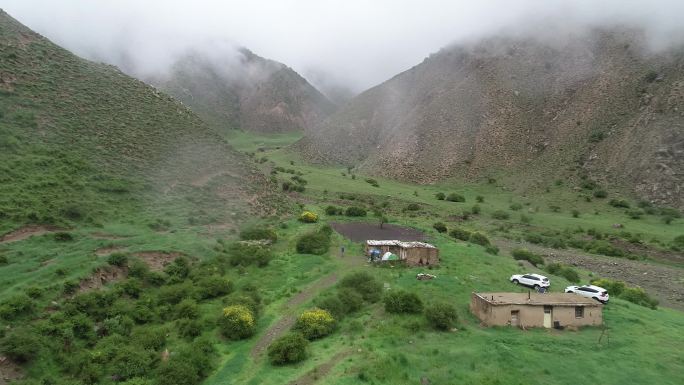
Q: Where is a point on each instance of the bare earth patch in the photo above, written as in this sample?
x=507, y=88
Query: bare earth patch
x=361, y=231
x=103, y=251
x=157, y=260
x=101, y=277
x=285, y=323
x=9, y=371
x=665, y=283
x=27, y=232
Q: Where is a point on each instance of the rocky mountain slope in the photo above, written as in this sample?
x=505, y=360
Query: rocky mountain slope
x=245, y=91
x=81, y=141
x=599, y=105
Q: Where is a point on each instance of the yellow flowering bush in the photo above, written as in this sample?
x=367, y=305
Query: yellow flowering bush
x=308, y=217
x=237, y=322
x=315, y=323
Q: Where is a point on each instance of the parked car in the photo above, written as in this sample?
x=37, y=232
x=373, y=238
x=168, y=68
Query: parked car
x=532, y=280
x=598, y=293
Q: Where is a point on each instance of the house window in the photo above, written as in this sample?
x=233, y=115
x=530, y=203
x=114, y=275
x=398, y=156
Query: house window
x=579, y=311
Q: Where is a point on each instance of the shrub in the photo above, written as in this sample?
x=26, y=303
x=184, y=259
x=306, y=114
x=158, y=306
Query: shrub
x=178, y=269
x=308, y=217
x=243, y=254
x=524, y=254
x=525, y=219
x=440, y=227
x=440, y=196
x=316, y=243
x=363, y=283
x=678, y=241
x=635, y=213
x=177, y=372
x=372, y=182
x=458, y=233
x=575, y=213
x=613, y=286
x=333, y=304
x=515, y=206
x=479, y=199
x=479, y=238
x=118, y=259
x=355, y=211
x=500, y=214
x=564, y=271
x=332, y=210
x=63, y=237
x=315, y=323
x=237, y=322
x=189, y=328
x=213, y=286
x=491, y=249
x=3, y=260
x=129, y=362
x=453, y=197
x=413, y=207
x=149, y=337
x=288, y=349
x=258, y=233
x=186, y=308
x=402, y=302
x=442, y=316
x=476, y=209
x=638, y=296
x=600, y=194
x=20, y=345
x=619, y=203
x=15, y=306
x=352, y=300
x=603, y=248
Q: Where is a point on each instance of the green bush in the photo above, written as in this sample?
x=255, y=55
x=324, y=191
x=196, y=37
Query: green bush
x=363, y=283
x=130, y=362
x=179, y=269
x=213, y=286
x=600, y=194
x=564, y=271
x=3, y=260
x=288, y=349
x=316, y=243
x=333, y=304
x=440, y=227
x=149, y=337
x=412, y=207
x=440, y=196
x=613, y=286
x=603, y=248
x=246, y=254
x=372, y=182
x=575, y=213
x=118, y=259
x=459, y=233
x=189, y=328
x=678, y=241
x=237, y=322
x=515, y=206
x=442, y=316
x=479, y=239
x=500, y=214
x=177, y=372
x=333, y=210
x=308, y=217
x=402, y=301
x=524, y=254
x=479, y=199
x=476, y=210
x=355, y=211
x=16, y=306
x=258, y=233
x=351, y=300
x=315, y=323
x=619, y=203
x=638, y=296
x=186, y=308
x=634, y=213
x=491, y=249
x=454, y=197
x=63, y=237
x=20, y=345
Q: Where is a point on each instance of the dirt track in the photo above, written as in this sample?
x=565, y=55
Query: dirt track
x=361, y=231
x=27, y=232
x=666, y=283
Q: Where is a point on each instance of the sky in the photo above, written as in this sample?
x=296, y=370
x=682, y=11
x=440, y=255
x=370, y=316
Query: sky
x=349, y=43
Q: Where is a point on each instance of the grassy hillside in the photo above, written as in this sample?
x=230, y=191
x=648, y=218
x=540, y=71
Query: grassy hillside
x=599, y=105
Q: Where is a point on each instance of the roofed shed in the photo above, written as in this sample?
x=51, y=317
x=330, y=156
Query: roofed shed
x=413, y=253
x=536, y=310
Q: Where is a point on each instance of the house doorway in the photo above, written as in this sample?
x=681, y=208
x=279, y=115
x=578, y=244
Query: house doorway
x=548, y=316
x=515, y=318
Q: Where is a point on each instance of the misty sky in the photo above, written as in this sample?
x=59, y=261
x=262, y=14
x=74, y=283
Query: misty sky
x=353, y=43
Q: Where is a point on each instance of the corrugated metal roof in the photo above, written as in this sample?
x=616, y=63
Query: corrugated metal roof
x=394, y=242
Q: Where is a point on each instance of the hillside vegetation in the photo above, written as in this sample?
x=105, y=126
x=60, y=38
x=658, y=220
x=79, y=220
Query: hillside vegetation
x=599, y=105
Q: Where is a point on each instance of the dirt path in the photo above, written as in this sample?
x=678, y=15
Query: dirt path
x=9, y=371
x=27, y=232
x=666, y=283
x=320, y=371
x=288, y=319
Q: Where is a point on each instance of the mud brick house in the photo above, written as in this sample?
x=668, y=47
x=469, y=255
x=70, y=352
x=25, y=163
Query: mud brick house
x=536, y=310
x=413, y=253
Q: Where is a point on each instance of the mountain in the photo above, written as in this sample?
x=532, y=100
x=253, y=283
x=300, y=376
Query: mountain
x=600, y=106
x=245, y=91
x=82, y=141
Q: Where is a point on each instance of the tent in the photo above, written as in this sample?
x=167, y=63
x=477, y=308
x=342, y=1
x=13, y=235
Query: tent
x=390, y=257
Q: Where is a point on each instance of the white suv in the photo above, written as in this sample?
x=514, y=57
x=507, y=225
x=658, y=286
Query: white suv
x=532, y=280
x=598, y=293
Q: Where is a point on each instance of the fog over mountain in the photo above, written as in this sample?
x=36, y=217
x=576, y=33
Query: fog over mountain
x=338, y=45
